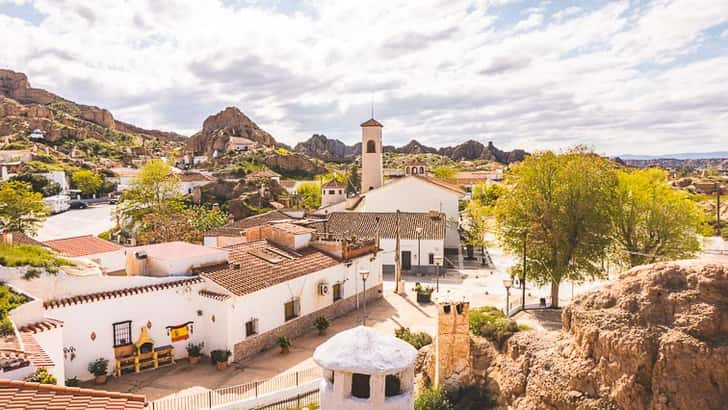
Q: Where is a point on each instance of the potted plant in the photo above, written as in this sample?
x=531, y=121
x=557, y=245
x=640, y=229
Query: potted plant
x=285, y=344
x=321, y=323
x=424, y=293
x=194, y=351
x=99, y=368
x=220, y=358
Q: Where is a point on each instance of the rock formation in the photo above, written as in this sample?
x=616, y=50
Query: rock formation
x=230, y=122
x=318, y=146
x=655, y=339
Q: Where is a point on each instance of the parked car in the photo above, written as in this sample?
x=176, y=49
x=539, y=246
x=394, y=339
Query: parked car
x=76, y=204
x=114, y=200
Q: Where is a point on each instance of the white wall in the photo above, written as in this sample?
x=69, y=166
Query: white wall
x=388, y=247
x=415, y=195
x=110, y=261
x=51, y=341
x=266, y=305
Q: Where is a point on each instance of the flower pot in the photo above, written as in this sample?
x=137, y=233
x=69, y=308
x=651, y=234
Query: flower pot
x=221, y=365
x=100, y=379
x=423, y=297
x=194, y=359
x=285, y=350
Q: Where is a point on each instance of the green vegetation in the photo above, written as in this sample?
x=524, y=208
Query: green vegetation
x=418, y=340
x=471, y=397
x=433, y=399
x=73, y=382
x=492, y=324
x=444, y=172
x=41, y=376
x=321, y=323
x=195, y=349
x=309, y=195
x=31, y=273
x=21, y=209
x=220, y=356
x=87, y=181
x=9, y=300
x=99, y=367
x=38, y=183
x=282, y=151
x=22, y=255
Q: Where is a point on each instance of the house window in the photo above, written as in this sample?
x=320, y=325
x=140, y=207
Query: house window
x=431, y=259
x=360, y=385
x=122, y=333
x=422, y=170
x=392, y=386
x=337, y=291
x=331, y=192
x=292, y=309
x=251, y=327
x=371, y=147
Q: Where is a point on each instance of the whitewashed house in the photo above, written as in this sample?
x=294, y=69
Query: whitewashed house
x=332, y=192
x=191, y=180
x=240, y=144
x=124, y=177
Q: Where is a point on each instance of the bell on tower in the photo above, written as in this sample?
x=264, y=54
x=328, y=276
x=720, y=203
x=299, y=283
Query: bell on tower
x=372, y=174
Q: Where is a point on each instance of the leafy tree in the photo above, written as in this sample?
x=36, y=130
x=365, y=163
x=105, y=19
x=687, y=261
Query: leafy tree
x=444, y=172
x=155, y=190
x=39, y=183
x=478, y=225
x=21, y=209
x=353, y=184
x=309, y=195
x=653, y=221
x=561, y=205
x=434, y=398
x=488, y=194
x=87, y=181
x=169, y=224
x=205, y=219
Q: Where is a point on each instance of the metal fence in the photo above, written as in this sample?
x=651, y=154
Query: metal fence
x=226, y=395
x=301, y=401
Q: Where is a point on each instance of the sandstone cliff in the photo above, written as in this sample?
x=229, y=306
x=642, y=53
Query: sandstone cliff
x=655, y=339
x=230, y=122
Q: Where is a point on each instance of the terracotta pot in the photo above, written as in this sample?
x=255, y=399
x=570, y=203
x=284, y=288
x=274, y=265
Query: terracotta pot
x=101, y=379
x=194, y=359
x=221, y=365
x=285, y=350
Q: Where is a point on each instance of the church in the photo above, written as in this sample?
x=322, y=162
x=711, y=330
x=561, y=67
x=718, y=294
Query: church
x=414, y=192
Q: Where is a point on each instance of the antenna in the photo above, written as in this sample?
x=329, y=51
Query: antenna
x=372, y=109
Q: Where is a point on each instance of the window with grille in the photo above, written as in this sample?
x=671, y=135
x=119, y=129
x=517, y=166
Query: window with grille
x=122, y=333
x=251, y=327
x=292, y=309
x=360, y=385
x=431, y=259
x=337, y=291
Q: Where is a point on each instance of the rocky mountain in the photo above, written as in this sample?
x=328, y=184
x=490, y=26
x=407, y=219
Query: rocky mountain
x=24, y=109
x=230, y=122
x=319, y=146
x=656, y=338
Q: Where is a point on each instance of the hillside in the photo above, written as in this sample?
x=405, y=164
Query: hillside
x=219, y=128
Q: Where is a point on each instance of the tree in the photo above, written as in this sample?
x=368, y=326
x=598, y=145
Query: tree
x=309, y=195
x=488, y=194
x=652, y=221
x=87, y=181
x=166, y=225
x=39, y=183
x=205, y=219
x=560, y=205
x=478, y=219
x=21, y=209
x=155, y=190
x=444, y=172
x=353, y=184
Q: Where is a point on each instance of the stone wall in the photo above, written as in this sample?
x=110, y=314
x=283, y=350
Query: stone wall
x=301, y=325
x=452, y=345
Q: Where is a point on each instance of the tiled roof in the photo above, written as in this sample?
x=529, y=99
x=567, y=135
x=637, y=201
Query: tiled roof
x=238, y=227
x=82, y=245
x=213, y=295
x=441, y=183
x=293, y=229
x=16, y=394
x=258, y=265
x=371, y=123
x=110, y=294
x=334, y=184
x=364, y=225
x=36, y=355
x=20, y=238
x=42, y=326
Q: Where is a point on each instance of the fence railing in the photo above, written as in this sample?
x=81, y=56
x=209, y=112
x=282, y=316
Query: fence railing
x=225, y=395
x=294, y=403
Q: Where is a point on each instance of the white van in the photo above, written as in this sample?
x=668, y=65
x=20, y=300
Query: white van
x=58, y=203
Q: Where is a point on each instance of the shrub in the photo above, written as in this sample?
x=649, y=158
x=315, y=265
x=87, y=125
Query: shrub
x=423, y=289
x=471, y=398
x=9, y=300
x=31, y=273
x=220, y=356
x=98, y=367
x=73, y=382
x=492, y=324
x=417, y=340
x=22, y=255
x=195, y=349
x=321, y=323
x=284, y=342
x=42, y=376
x=433, y=399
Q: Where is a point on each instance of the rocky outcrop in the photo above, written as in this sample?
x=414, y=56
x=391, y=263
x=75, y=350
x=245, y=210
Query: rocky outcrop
x=321, y=147
x=16, y=86
x=414, y=147
x=230, y=122
x=293, y=165
x=474, y=150
x=655, y=339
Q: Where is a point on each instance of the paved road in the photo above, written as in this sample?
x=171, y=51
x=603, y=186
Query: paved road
x=76, y=222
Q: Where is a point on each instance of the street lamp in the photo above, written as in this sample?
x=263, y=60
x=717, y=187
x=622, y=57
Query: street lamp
x=508, y=283
x=438, y=263
x=364, y=275
x=418, y=230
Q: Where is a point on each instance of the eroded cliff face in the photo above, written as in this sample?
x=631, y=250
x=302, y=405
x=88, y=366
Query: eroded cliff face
x=230, y=122
x=656, y=338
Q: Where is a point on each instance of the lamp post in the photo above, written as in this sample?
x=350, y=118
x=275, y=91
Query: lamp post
x=364, y=275
x=508, y=283
x=438, y=263
x=523, y=279
x=418, y=230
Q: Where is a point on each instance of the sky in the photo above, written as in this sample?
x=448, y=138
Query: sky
x=636, y=77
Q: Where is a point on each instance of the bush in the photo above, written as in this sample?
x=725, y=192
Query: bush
x=9, y=300
x=433, y=399
x=284, y=342
x=98, y=367
x=417, y=340
x=492, y=324
x=321, y=323
x=31, y=273
x=426, y=290
x=22, y=255
x=220, y=356
x=73, y=382
x=195, y=349
x=42, y=376
x=471, y=398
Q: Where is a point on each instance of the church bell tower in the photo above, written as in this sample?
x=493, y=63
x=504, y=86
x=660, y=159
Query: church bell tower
x=372, y=174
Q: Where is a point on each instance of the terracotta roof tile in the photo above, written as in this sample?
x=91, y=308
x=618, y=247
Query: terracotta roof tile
x=110, y=294
x=364, y=225
x=82, y=245
x=42, y=326
x=16, y=394
x=334, y=184
x=20, y=238
x=238, y=227
x=258, y=265
x=36, y=355
x=371, y=123
x=293, y=229
x=213, y=295
x=441, y=183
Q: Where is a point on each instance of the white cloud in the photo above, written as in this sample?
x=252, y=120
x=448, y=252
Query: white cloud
x=441, y=72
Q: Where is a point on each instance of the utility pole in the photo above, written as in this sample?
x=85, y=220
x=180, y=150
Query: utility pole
x=523, y=279
x=397, y=260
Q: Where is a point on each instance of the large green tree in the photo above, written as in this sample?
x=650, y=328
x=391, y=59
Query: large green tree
x=561, y=205
x=653, y=221
x=88, y=182
x=39, y=183
x=309, y=195
x=21, y=209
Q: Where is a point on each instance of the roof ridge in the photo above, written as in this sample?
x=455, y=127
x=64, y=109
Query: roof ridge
x=73, y=237
x=72, y=390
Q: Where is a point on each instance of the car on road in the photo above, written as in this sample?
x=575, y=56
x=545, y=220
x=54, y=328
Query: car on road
x=76, y=204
